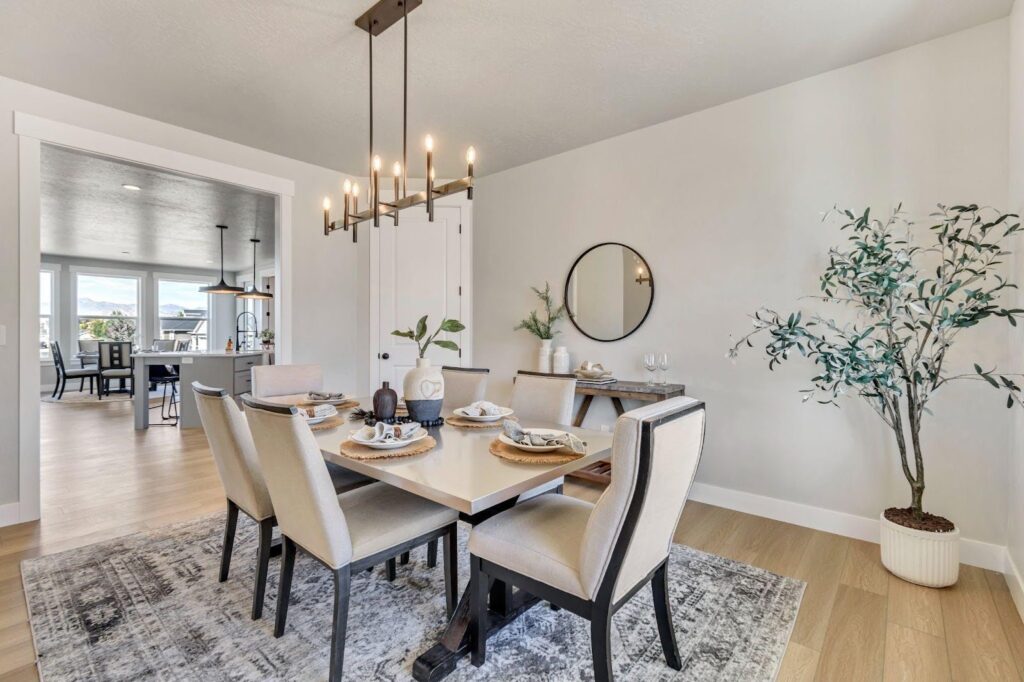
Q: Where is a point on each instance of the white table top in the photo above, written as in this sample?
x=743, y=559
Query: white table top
x=195, y=353
x=460, y=472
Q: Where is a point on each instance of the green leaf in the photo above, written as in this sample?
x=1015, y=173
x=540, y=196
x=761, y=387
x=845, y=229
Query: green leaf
x=1009, y=401
x=450, y=345
x=406, y=334
x=452, y=326
x=421, y=328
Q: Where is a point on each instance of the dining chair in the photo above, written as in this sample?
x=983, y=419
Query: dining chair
x=163, y=345
x=239, y=469
x=463, y=385
x=544, y=397
x=63, y=373
x=345, y=533
x=182, y=345
x=115, y=363
x=286, y=383
x=590, y=559
x=88, y=352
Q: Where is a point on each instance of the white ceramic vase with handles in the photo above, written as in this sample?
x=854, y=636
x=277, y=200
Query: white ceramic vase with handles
x=544, y=356
x=423, y=388
x=560, y=360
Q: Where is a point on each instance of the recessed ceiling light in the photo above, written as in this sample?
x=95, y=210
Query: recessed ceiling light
x=133, y=188
x=126, y=252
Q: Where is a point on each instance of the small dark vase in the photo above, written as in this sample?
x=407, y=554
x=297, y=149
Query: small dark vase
x=385, y=401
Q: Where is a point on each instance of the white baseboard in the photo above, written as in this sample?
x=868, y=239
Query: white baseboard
x=972, y=552
x=1016, y=583
x=10, y=514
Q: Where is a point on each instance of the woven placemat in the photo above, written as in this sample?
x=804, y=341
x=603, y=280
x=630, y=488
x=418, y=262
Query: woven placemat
x=357, y=451
x=514, y=454
x=463, y=423
x=329, y=423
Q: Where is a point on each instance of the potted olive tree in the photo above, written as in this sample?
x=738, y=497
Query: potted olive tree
x=911, y=303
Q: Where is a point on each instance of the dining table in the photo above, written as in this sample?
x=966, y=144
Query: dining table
x=461, y=473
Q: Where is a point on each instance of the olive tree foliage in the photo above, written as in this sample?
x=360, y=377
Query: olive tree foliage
x=912, y=292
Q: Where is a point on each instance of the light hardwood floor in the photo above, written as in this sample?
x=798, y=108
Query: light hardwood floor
x=101, y=479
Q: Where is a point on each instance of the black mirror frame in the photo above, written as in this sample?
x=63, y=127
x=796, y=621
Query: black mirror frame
x=568, y=278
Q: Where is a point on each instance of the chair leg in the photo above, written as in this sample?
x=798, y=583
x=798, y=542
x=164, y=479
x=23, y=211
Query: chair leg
x=451, y=570
x=56, y=385
x=663, y=613
x=601, y=643
x=390, y=570
x=229, y=540
x=341, y=590
x=262, y=565
x=477, y=612
x=81, y=384
x=284, y=587
x=403, y=558
x=63, y=383
x=432, y=554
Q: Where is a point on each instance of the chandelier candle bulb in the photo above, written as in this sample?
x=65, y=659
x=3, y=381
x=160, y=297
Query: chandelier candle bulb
x=327, y=216
x=428, y=142
x=376, y=191
x=470, y=160
x=355, y=209
x=397, y=172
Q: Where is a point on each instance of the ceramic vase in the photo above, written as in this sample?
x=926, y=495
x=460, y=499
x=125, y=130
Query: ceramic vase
x=544, y=356
x=424, y=391
x=560, y=360
x=385, y=400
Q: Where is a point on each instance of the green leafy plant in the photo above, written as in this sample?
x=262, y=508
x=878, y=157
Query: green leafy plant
x=911, y=302
x=543, y=329
x=423, y=341
x=267, y=336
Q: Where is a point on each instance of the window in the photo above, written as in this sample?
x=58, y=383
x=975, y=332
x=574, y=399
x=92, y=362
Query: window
x=47, y=306
x=107, y=307
x=184, y=311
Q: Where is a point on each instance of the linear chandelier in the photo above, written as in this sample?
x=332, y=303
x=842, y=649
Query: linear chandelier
x=375, y=21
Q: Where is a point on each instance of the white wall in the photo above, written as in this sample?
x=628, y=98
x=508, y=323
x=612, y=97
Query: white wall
x=326, y=295
x=725, y=206
x=1015, y=535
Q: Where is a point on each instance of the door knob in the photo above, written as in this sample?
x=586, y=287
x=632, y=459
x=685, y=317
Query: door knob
x=385, y=356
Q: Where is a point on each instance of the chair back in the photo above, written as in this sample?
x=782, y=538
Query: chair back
x=182, y=345
x=58, y=358
x=89, y=346
x=305, y=502
x=543, y=397
x=163, y=345
x=463, y=385
x=655, y=452
x=269, y=381
x=233, y=451
x=115, y=355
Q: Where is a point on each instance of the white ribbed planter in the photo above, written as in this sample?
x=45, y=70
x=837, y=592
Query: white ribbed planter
x=917, y=556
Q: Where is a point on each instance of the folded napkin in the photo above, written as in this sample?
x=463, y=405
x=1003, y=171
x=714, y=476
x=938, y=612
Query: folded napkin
x=325, y=395
x=321, y=411
x=482, y=408
x=515, y=433
x=382, y=433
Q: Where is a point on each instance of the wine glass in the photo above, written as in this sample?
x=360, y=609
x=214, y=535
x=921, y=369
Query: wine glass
x=650, y=364
x=663, y=364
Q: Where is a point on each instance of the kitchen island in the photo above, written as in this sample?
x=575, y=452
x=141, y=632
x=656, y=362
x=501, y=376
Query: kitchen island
x=229, y=370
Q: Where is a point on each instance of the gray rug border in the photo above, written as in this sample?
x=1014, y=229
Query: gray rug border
x=201, y=517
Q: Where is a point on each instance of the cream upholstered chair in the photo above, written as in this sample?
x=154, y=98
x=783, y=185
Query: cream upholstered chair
x=240, y=474
x=592, y=558
x=115, y=362
x=463, y=385
x=546, y=398
x=346, y=533
x=285, y=383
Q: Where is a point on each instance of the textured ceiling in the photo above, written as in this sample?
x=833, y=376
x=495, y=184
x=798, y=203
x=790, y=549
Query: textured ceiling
x=171, y=220
x=520, y=79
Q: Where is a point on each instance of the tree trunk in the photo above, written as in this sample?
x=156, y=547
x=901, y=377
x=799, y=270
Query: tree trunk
x=917, y=492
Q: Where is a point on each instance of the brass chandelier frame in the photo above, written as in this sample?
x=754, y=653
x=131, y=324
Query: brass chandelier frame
x=375, y=21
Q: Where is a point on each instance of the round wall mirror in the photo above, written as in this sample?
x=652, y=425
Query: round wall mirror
x=609, y=291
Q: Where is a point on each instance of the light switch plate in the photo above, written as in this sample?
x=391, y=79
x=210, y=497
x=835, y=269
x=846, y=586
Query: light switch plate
x=186, y=361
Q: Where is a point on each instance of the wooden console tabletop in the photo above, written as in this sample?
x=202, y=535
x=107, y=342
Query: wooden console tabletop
x=600, y=472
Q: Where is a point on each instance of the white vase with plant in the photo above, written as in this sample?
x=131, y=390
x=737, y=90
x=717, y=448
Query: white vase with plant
x=267, y=339
x=912, y=302
x=423, y=386
x=543, y=329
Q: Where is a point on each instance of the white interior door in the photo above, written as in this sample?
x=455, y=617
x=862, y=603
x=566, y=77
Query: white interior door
x=420, y=272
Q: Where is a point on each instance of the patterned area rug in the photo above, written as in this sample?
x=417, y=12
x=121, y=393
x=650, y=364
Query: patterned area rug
x=149, y=606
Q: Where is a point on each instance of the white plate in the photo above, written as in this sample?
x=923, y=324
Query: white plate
x=332, y=401
x=388, y=445
x=317, y=420
x=533, y=448
x=505, y=412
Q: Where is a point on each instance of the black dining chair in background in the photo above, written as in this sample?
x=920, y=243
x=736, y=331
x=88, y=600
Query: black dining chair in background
x=63, y=373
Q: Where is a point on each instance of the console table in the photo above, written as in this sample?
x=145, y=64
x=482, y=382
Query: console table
x=600, y=472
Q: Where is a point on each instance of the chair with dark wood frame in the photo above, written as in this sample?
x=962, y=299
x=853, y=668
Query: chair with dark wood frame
x=238, y=467
x=63, y=373
x=344, y=533
x=624, y=538
x=115, y=358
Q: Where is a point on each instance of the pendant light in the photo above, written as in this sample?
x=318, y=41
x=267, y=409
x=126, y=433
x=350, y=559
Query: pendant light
x=252, y=292
x=221, y=287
